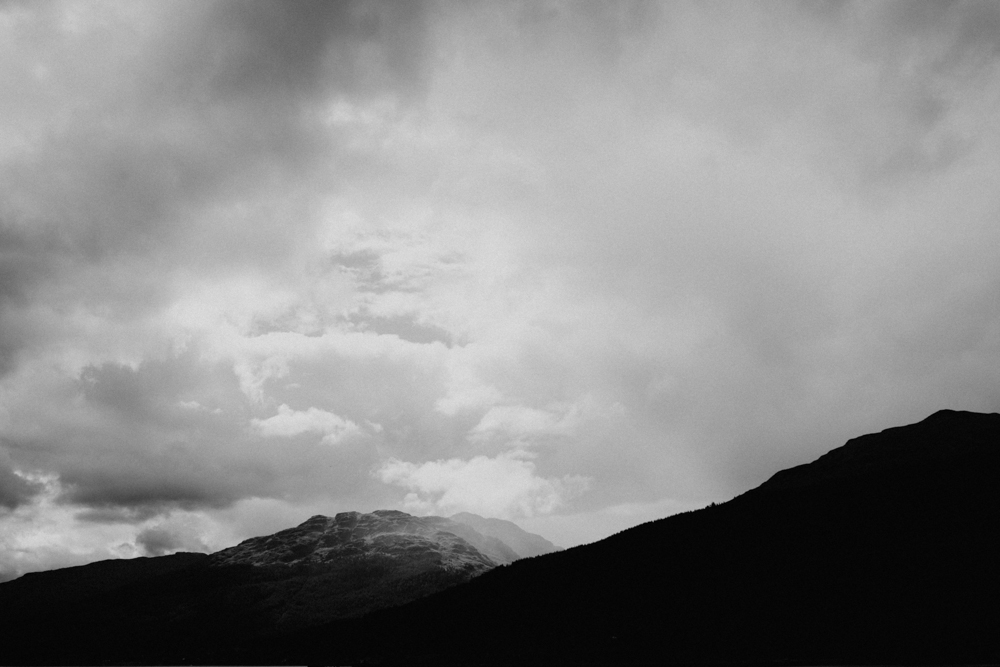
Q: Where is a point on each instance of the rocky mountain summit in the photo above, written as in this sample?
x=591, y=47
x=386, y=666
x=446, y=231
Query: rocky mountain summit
x=422, y=542
x=324, y=569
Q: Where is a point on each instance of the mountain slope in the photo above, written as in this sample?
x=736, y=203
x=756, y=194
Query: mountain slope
x=525, y=544
x=36, y=592
x=883, y=550
x=174, y=608
x=326, y=540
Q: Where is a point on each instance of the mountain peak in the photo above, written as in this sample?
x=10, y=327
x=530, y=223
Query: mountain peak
x=880, y=552
x=384, y=533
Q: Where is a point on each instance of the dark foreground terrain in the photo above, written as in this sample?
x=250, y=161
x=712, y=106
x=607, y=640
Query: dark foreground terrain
x=883, y=551
x=195, y=607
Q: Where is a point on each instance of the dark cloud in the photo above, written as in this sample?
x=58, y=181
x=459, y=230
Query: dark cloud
x=407, y=328
x=303, y=48
x=160, y=439
x=160, y=541
x=172, y=433
x=26, y=260
x=13, y=335
x=153, y=393
x=107, y=513
x=15, y=490
x=166, y=439
x=148, y=487
x=165, y=123
x=156, y=542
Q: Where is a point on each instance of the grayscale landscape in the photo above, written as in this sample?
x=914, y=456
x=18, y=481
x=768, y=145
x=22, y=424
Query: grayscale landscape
x=499, y=331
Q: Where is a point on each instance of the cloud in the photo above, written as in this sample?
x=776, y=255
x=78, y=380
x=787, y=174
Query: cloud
x=126, y=444
x=179, y=120
x=16, y=488
x=46, y=533
x=155, y=542
x=515, y=419
x=41, y=534
x=504, y=486
x=161, y=540
x=517, y=422
x=288, y=423
x=665, y=248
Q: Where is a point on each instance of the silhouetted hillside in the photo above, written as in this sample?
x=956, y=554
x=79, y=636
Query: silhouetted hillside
x=37, y=593
x=882, y=551
x=204, y=608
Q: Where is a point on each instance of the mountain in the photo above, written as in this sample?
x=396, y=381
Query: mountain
x=525, y=544
x=172, y=608
x=353, y=563
x=882, y=551
x=324, y=541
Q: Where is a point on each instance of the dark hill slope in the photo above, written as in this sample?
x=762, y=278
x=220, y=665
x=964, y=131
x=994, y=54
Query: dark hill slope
x=37, y=593
x=193, y=607
x=882, y=551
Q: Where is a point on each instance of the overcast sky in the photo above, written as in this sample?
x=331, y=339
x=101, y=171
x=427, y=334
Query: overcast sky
x=576, y=264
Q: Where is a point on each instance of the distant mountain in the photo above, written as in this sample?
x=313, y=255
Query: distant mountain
x=883, y=551
x=525, y=544
x=209, y=606
x=353, y=563
x=323, y=540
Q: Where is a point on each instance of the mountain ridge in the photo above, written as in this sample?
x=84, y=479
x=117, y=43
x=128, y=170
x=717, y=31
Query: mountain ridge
x=322, y=539
x=867, y=555
x=874, y=452
x=320, y=570
x=880, y=551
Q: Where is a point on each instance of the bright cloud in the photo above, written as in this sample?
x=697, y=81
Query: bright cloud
x=517, y=423
x=288, y=423
x=504, y=486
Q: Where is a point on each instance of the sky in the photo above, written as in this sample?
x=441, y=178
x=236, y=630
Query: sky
x=579, y=265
